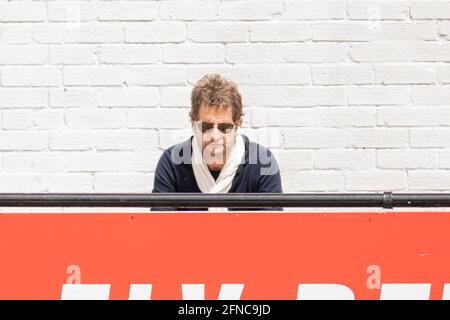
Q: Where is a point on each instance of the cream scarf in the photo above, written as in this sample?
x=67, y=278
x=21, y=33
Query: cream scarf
x=203, y=176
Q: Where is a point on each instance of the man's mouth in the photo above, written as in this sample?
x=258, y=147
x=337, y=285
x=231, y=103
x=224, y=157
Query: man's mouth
x=216, y=145
x=215, y=149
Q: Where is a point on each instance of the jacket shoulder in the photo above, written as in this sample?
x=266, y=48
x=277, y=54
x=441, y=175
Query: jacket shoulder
x=178, y=153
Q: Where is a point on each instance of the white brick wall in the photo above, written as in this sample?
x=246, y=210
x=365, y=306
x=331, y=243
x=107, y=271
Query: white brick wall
x=351, y=95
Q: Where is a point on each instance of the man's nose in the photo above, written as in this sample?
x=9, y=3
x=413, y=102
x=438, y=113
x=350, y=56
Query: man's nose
x=215, y=134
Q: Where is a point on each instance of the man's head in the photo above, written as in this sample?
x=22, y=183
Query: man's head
x=216, y=113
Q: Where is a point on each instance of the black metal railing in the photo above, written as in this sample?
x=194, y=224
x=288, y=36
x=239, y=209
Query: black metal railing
x=232, y=200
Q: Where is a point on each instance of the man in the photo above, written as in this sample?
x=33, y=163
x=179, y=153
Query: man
x=217, y=158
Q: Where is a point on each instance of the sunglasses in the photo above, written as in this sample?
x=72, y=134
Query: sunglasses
x=204, y=127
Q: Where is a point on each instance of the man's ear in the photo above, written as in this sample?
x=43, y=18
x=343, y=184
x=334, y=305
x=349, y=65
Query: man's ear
x=240, y=122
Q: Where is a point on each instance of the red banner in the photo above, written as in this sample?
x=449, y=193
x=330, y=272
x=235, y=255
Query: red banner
x=225, y=255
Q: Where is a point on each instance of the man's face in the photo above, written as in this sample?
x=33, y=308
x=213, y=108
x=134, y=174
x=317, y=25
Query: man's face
x=216, y=144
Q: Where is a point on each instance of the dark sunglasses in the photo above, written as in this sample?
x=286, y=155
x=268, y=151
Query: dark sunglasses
x=223, y=127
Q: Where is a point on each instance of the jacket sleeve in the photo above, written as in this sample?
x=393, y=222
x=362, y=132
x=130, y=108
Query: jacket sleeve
x=164, y=181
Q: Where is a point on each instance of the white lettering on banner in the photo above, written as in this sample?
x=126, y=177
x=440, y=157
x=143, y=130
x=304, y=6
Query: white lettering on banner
x=193, y=291
x=231, y=291
x=315, y=291
x=197, y=291
x=85, y=292
x=140, y=292
x=446, y=294
x=318, y=291
x=405, y=291
x=143, y=291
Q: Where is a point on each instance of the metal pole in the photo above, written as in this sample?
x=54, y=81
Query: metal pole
x=231, y=200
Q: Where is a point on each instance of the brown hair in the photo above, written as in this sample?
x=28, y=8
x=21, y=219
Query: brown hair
x=216, y=91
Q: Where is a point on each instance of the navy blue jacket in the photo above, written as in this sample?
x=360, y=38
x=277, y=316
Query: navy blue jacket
x=259, y=173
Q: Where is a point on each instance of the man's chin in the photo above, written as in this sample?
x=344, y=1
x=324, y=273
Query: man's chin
x=215, y=166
